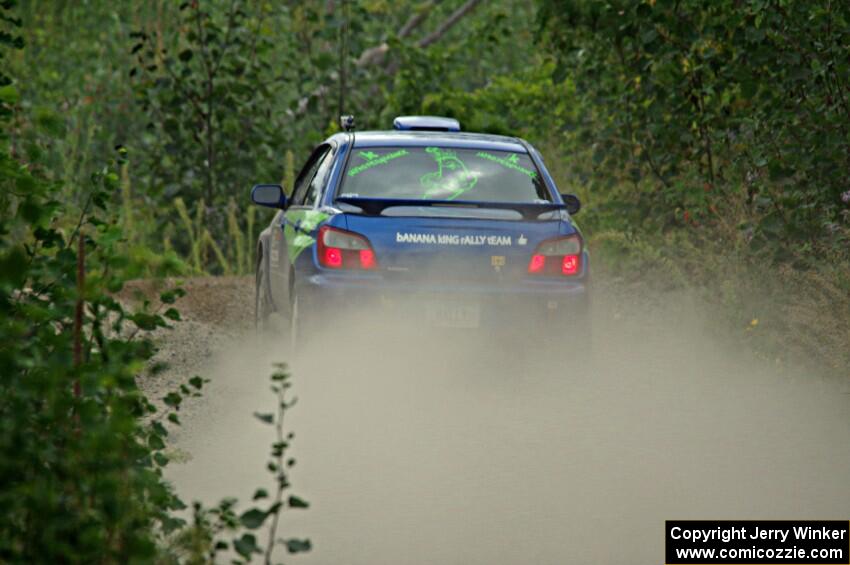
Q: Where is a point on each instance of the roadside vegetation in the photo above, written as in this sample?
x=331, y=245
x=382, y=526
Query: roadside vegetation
x=82, y=450
x=709, y=142
x=710, y=145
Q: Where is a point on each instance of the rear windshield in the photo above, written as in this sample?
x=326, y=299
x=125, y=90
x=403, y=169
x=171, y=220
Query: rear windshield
x=439, y=173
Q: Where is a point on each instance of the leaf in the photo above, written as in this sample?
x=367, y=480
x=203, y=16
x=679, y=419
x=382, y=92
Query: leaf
x=172, y=314
x=295, y=502
x=100, y=199
x=159, y=429
x=145, y=321
x=649, y=36
x=246, y=546
x=176, y=504
x=168, y=297
x=253, y=518
x=266, y=418
x=173, y=399
x=260, y=493
x=110, y=180
x=9, y=94
x=279, y=447
x=298, y=545
x=171, y=524
x=155, y=442
x=196, y=382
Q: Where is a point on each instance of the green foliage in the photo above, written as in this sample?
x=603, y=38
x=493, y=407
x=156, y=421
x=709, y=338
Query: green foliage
x=209, y=94
x=746, y=96
x=8, y=40
x=81, y=447
x=209, y=97
x=78, y=102
x=81, y=473
x=526, y=103
x=706, y=140
x=493, y=45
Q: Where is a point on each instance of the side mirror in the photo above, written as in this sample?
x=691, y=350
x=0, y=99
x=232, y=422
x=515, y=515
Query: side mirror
x=572, y=202
x=270, y=195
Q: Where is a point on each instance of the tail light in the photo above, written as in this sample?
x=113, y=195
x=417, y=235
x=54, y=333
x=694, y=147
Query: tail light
x=560, y=256
x=340, y=249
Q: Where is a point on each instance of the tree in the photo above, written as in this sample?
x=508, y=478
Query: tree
x=212, y=100
x=747, y=95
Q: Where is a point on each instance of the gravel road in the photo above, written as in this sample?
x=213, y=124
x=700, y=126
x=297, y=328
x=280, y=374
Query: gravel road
x=426, y=447
x=216, y=312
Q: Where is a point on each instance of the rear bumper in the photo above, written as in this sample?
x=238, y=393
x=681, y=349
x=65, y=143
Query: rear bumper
x=515, y=304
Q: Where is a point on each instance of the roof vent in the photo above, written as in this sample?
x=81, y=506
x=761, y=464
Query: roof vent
x=425, y=123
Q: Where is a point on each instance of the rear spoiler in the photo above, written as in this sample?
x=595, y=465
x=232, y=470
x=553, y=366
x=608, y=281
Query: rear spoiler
x=374, y=206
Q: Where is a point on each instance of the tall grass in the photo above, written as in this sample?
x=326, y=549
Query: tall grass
x=128, y=223
x=192, y=232
x=288, y=181
x=205, y=254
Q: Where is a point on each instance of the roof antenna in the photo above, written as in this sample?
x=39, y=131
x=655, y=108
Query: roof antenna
x=346, y=122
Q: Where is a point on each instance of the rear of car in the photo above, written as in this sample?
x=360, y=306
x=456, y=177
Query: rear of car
x=428, y=227
x=446, y=230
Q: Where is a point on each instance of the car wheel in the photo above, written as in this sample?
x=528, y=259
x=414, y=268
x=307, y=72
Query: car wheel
x=262, y=301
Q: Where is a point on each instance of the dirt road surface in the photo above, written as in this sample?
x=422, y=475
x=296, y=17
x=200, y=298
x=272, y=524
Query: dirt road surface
x=429, y=447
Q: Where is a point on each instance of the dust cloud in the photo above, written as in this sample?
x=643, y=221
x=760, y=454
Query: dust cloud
x=421, y=446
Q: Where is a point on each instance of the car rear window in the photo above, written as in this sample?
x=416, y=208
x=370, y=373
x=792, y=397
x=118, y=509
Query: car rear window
x=441, y=173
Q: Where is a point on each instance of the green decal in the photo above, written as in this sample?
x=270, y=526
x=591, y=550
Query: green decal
x=509, y=162
x=451, y=177
x=373, y=160
x=300, y=239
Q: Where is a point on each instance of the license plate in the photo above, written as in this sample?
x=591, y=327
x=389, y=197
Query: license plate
x=448, y=315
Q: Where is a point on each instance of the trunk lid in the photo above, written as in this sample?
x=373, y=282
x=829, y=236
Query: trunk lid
x=451, y=248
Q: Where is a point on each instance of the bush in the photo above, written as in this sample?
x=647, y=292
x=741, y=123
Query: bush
x=81, y=448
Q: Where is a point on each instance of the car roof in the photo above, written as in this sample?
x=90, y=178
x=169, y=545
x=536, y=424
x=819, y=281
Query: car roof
x=459, y=140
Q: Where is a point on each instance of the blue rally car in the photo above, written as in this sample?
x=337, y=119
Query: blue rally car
x=441, y=227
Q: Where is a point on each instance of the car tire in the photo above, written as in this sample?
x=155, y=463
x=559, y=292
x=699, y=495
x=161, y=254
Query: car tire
x=263, y=307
